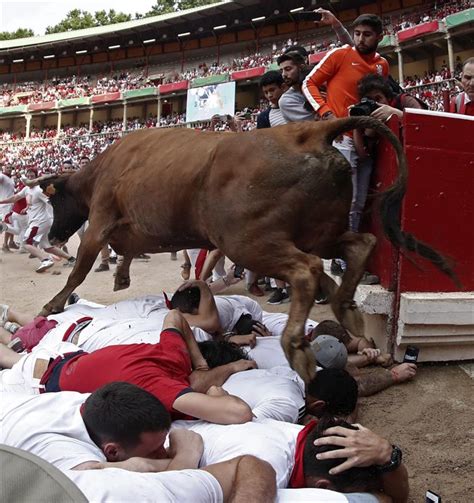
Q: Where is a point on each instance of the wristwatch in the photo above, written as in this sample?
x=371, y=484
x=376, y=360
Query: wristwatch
x=394, y=463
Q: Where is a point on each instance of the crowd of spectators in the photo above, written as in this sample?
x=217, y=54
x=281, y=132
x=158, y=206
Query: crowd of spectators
x=76, y=86
x=424, y=14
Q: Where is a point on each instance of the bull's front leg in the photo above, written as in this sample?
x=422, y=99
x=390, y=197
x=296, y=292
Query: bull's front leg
x=356, y=249
x=122, y=274
x=303, y=276
x=87, y=253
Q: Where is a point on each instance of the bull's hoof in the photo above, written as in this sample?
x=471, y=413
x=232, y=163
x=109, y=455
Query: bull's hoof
x=301, y=358
x=121, y=283
x=50, y=309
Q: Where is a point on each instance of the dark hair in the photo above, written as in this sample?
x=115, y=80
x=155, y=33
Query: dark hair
x=357, y=479
x=186, y=300
x=218, y=353
x=369, y=20
x=330, y=327
x=293, y=56
x=121, y=412
x=374, y=82
x=244, y=325
x=84, y=157
x=337, y=388
x=271, y=77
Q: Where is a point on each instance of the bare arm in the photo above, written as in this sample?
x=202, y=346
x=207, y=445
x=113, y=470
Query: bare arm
x=202, y=380
x=363, y=447
x=223, y=409
x=329, y=19
x=184, y=452
x=245, y=479
x=207, y=316
x=380, y=379
x=11, y=199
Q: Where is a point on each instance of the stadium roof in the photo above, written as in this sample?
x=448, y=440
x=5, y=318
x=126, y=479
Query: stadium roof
x=129, y=27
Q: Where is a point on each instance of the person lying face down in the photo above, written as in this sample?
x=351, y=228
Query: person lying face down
x=116, y=422
x=163, y=369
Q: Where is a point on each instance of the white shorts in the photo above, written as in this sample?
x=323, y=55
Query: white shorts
x=37, y=234
x=19, y=379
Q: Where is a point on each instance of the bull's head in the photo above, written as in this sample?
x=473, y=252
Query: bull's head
x=69, y=209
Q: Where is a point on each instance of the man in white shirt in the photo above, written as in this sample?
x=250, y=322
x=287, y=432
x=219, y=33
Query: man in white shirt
x=117, y=425
x=40, y=219
x=7, y=189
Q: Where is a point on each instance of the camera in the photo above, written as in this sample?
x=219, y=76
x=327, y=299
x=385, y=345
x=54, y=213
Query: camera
x=238, y=271
x=365, y=107
x=310, y=16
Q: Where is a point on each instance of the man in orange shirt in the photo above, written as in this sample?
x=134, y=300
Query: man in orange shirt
x=341, y=70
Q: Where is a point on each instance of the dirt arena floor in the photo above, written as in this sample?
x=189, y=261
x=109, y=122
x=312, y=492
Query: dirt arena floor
x=431, y=418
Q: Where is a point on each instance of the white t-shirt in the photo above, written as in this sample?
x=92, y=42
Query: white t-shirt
x=277, y=393
x=28, y=422
x=7, y=189
x=232, y=307
x=40, y=210
x=116, y=485
x=313, y=495
x=276, y=323
x=270, y=440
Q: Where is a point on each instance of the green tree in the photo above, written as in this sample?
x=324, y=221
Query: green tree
x=20, y=33
x=168, y=6
x=78, y=19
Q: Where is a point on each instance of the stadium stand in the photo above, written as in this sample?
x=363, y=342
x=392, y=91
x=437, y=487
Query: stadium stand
x=77, y=104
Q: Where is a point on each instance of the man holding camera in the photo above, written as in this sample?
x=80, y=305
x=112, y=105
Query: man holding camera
x=341, y=70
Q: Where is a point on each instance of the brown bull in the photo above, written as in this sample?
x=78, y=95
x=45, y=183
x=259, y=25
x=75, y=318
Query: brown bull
x=273, y=200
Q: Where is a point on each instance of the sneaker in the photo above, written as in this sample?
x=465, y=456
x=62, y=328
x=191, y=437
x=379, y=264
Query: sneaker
x=71, y=261
x=143, y=256
x=46, y=264
x=3, y=314
x=13, y=246
x=269, y=287
x=255, y=290
x=336, y=268
x=320, y=299
x=369, y=279
x=102, y=267
x=279, y=297
x=73, y=299
x=113, y=260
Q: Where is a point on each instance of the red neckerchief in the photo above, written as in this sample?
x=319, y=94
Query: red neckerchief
x=167, y=301
x=297, y=480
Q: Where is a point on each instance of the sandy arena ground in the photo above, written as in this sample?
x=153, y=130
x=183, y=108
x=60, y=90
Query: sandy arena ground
x=431, y=418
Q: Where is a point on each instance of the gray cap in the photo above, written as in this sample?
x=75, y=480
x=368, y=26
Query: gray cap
x=329, y=352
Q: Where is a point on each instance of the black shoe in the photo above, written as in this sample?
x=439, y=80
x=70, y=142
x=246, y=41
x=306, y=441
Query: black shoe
x=320, y=299
x=102, y=267
x=279, y=297
x=336, y=268
x=369, y=279
x=73, y=299
x=70, y=262
x=112, y=260
x=143, y=256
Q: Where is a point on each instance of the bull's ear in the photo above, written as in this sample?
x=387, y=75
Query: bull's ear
x=50, y=189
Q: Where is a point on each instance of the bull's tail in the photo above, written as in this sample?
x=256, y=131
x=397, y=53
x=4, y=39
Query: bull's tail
x=391, y=199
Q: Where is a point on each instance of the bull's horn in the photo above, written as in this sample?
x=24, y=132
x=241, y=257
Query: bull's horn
x=37, y=181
